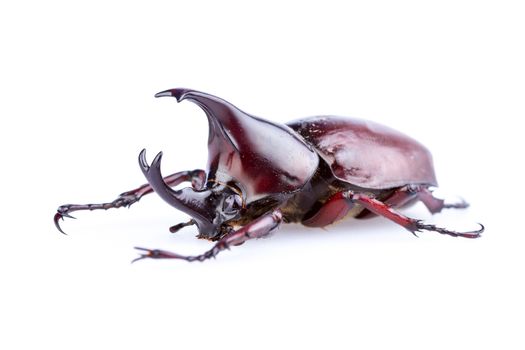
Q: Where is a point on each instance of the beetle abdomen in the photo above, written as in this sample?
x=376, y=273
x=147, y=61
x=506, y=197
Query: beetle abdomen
x=367, y=154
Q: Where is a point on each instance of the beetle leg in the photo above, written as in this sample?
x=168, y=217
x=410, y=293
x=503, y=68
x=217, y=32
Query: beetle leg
x=334, y=209
x=258, y=228
x=410, y=193
x=412, y=225
x=126, y=199
x=434, y=205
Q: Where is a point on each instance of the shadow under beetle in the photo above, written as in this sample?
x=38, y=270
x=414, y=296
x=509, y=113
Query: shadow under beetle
x=314, y=171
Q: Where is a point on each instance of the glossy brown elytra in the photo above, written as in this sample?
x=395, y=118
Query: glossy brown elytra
x=260, y=174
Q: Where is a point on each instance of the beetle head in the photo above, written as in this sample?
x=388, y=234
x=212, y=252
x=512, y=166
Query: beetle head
x=211, y=208
x=265, y=159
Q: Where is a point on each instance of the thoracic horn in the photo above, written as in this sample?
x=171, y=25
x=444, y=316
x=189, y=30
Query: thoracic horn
x=266, y=158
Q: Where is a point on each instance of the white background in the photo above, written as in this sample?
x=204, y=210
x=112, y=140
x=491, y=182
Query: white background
x=76, y=105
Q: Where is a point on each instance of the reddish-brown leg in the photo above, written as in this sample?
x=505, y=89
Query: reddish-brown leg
x=434, y=205
x=334, y=209
x=411, y=193
x=126, y=199
x=258, y=228
x=412, y=225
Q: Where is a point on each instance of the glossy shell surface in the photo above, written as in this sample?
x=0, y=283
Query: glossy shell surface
x=262, y=157
x=367, y=154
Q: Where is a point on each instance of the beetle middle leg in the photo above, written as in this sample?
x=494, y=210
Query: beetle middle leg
x=412, y=225
x=406, y=195
x=258, y=228
x=126, y=199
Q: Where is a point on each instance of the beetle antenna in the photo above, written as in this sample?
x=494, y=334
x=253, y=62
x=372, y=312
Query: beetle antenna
x=175, y=228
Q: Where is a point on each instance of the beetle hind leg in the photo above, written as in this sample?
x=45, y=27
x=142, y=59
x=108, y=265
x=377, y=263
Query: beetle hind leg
x=412, y=225
x=434, y=204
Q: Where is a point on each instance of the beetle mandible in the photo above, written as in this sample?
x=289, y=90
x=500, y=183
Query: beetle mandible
x=260, y=174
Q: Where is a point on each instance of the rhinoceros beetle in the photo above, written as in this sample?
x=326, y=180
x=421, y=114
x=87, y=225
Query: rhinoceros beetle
x=314, y=171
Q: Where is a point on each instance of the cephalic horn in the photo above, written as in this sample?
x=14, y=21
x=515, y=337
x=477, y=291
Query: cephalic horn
x=186, y=200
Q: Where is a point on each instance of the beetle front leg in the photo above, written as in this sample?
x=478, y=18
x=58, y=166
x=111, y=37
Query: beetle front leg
x=412, y=225
x=258, y=228
x=126, y=199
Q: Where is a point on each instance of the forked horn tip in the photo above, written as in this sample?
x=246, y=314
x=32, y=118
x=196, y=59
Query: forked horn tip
x=177, y=93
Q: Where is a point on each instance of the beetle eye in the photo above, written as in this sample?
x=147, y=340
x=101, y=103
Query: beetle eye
x=232, y=204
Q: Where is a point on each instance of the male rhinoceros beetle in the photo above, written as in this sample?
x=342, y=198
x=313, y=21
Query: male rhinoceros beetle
x=314, y=171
